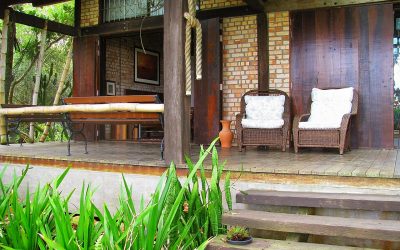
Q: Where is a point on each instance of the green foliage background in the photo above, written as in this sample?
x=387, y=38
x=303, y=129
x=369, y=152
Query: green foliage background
x=26, y=49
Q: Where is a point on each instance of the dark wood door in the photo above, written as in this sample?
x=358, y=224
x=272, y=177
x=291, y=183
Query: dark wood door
x=207, y=94
x=342, y=47
x=86, y=73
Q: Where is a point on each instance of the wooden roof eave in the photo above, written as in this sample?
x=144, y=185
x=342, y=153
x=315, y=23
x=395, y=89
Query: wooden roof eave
x=35, y=3
x=293, y=5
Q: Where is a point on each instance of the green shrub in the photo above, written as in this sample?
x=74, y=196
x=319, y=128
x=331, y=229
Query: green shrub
x=237, y=233
x=180, y=215
x=396, y=118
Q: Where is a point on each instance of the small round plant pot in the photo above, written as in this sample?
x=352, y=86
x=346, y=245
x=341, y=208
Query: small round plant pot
x=240, y=242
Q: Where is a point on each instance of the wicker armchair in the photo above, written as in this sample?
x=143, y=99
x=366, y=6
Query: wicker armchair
x=338, y=137
x=263, y=136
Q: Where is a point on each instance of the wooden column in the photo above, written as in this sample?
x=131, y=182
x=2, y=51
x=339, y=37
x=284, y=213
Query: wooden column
x=77, y=15
x=262, y=42
x=86, y=73
x=3, y=59
x=175, y=131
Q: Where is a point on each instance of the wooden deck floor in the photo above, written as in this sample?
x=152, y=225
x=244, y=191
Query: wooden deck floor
x=358, y=162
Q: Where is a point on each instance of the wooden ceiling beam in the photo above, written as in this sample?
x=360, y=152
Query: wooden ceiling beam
x=226, y=12
x=290, y=5
x=134, y=25
x=257, y=5
x=35, y=3
x=39, y=23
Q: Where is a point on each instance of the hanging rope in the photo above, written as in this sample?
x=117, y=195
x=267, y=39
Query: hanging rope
x=192, y=22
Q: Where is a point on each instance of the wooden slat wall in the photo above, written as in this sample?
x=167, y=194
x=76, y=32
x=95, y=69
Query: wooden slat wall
x=207, y=94
x=343, y=47
x=86, y=73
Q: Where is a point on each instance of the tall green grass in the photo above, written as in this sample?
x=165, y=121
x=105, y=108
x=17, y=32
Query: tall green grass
x=181, y=214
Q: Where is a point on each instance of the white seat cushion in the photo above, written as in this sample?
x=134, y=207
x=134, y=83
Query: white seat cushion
x=256, y=123
x=264, y=107
x=328, y=107
x=313, y=125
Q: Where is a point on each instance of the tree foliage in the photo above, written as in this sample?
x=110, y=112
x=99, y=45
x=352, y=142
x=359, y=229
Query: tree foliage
x=26, y=51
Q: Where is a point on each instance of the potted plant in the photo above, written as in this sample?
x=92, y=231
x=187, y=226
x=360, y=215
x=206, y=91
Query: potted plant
x=238, y=235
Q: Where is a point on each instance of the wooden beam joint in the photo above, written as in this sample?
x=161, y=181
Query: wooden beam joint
x=257, y=5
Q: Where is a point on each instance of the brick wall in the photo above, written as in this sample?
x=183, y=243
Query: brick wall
x=240, y=62
x=278, y=28
x=210, y=4
x=240, y=58
x=120, y=61
x=89, y=13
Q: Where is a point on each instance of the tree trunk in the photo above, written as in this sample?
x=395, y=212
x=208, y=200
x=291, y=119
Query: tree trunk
x=59, y=91
x=10, y=57
x=38, y=72
x=3, y=59
x=22, y=77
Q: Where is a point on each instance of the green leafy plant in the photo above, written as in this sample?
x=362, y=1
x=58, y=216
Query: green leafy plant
x=396, y=117
x=238, y=233
x=180, y=214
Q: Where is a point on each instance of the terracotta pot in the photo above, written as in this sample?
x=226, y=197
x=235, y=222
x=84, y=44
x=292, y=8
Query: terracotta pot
x=226, y=135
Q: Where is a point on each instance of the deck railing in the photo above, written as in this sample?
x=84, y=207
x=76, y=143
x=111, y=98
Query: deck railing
x=117, y=10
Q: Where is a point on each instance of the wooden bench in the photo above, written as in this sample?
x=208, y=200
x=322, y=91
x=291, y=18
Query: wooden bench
x=13, y=121
x=112, y=117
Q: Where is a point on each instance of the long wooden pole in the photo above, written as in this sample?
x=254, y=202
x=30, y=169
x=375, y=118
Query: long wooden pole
x=60, y=88
x=3, y=58
x=89, y=108
x=38, y=73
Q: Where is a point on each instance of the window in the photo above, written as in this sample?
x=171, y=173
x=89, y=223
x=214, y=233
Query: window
x=115, y=10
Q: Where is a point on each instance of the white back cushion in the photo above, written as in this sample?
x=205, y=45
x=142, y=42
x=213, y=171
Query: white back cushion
x=264, y=107
x=329, y=106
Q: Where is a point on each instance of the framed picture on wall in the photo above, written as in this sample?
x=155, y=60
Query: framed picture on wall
x=147, y=67
x=110, y=88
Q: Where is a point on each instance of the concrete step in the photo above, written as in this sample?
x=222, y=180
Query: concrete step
x=321, y=200
x=388, y=230
x=219, y=243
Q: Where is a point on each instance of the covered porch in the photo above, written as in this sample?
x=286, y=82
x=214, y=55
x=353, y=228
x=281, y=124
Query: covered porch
x=326, y=56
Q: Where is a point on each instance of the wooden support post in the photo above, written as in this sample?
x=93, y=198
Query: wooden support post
x=176, y=131
x=263, y=55
x=3, y=59
x=77, y=16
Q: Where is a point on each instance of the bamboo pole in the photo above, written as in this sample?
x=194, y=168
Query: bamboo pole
x=3, y=58
x=38, y=73
x=86, y=108
x=60, y=88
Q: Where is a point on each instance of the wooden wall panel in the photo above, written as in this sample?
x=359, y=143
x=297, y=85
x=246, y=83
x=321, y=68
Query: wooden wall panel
x=343, y=47
x=86, y=73
x=207, y=94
